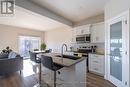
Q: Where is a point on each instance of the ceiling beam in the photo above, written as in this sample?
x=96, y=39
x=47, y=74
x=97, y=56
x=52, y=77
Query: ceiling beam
x=29, y=5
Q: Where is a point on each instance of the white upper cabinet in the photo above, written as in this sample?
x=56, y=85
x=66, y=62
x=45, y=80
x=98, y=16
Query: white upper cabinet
x=98, y=33
x=81, y=30
x=73, y=36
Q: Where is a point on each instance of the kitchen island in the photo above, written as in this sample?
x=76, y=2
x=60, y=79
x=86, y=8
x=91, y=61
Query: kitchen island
x=73, y=74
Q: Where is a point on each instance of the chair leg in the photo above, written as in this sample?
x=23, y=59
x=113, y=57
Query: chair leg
x=40, y=73
x=20, y=72
x=54, y=78
x=39, y=78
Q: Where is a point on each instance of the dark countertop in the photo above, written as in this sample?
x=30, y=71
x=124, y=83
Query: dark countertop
x=64, y=61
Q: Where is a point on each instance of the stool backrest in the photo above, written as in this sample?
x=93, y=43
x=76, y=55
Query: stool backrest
x=47, y=62
x=32, y=56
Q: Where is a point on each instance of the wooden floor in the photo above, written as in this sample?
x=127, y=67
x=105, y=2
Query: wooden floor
x=28, y=80
x=97, y=81
x=15, y=80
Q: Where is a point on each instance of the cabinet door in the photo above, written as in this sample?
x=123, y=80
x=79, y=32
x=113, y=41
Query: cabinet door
x=78, y=31
x=73, y=37
x=101, y=33
x=93, y=34
x=81, y=30
x=85, y=29
x=98, y=33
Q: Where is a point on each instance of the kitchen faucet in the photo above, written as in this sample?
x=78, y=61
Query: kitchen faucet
x=62, y=49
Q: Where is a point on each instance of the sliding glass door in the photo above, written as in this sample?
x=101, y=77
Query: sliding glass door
x=27, y=43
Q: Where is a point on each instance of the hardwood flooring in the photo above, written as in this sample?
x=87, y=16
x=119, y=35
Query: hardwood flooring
x=28, y=79
x=97, y=81
x=15, y=80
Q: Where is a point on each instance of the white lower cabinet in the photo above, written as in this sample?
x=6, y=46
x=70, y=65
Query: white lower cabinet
x=97, y=64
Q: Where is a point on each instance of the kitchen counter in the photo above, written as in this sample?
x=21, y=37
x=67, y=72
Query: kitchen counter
x=73, y=74
x=64, y=61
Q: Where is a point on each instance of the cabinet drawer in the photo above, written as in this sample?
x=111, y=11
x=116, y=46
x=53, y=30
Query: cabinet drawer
x=96, y=56
x=97, y=68
x=96, y=60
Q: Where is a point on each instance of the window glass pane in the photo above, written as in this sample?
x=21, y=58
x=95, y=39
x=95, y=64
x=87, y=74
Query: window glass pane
x=28, y=44
x=116, y=50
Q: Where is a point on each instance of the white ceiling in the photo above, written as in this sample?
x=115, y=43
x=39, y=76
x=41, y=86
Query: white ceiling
x=74, y=10
x=27, y=19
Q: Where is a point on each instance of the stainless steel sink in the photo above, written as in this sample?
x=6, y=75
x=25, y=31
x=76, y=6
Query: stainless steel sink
x=69, y=57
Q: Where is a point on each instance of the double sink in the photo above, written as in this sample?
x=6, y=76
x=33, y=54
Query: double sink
x=69, y=57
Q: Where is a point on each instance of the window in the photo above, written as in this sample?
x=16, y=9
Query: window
x=27, y=43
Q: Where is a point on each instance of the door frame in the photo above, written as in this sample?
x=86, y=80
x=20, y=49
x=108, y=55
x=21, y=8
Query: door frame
x=126, y=16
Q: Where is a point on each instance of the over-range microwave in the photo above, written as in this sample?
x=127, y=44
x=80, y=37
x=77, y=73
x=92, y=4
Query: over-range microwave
x=83, y=38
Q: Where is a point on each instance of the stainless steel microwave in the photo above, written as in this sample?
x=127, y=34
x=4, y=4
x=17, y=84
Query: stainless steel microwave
x=83, y=38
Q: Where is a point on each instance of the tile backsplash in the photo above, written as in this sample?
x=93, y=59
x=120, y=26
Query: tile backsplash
x=100, y=48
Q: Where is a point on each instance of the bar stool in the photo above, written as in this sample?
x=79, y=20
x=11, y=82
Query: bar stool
x=34, y=58
x=48, y=63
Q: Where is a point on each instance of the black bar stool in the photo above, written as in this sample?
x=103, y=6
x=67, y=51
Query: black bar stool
x=48, y=63
x=34, y=58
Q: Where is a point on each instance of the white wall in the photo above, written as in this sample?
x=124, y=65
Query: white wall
x=115, y=7
x=55, y=38
x=9, y=36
